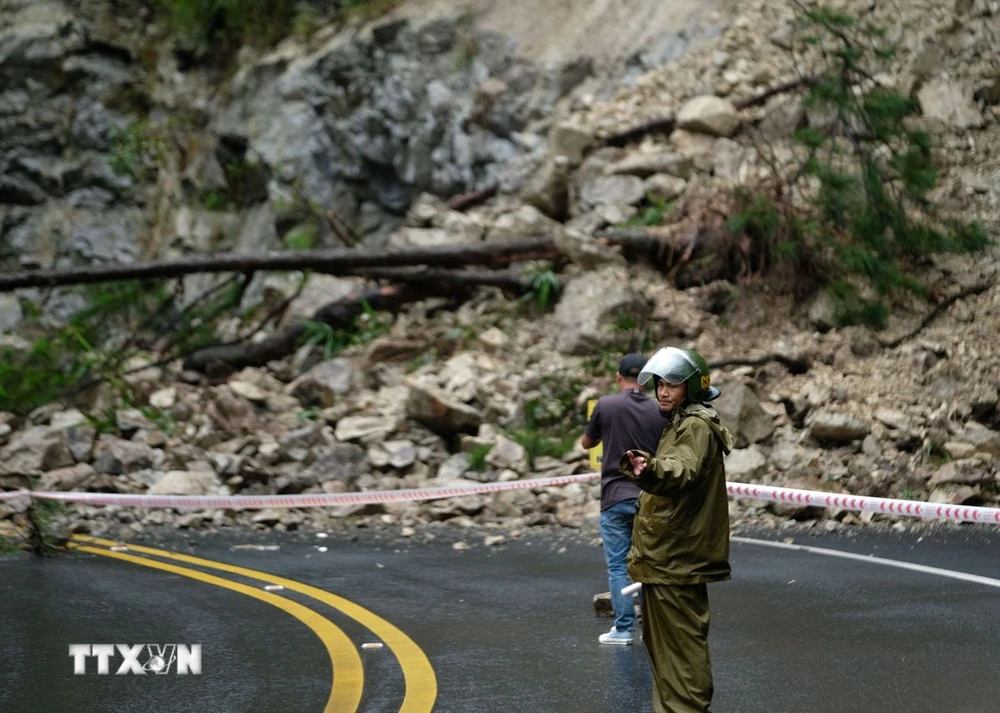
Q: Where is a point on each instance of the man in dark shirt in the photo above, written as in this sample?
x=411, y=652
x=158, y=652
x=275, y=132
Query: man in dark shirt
x=628, y=420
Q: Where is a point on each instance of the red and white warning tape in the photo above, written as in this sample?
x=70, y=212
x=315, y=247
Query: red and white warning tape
x=888, y=506
x=833, y=501
x=256, y=502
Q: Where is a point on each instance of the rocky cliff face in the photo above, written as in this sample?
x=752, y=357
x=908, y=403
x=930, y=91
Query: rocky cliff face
x=116, y=148
x=65, y=87
x=368, y=121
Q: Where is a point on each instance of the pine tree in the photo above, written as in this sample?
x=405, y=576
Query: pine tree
x=857, y=204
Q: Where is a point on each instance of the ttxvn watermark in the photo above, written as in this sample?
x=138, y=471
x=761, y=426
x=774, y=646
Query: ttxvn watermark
x=139, y=658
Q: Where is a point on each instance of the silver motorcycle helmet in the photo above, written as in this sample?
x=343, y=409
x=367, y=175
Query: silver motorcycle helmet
x=681, y=366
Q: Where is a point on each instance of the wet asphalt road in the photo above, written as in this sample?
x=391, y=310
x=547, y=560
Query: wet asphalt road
x=512, y=628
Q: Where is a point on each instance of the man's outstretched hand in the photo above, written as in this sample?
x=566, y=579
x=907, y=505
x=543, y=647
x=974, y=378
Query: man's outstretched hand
x=638, y=462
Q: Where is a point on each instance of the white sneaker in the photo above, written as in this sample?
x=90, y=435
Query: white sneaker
x=620, y=638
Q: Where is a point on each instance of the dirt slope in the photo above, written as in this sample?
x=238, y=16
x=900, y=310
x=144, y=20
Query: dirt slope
x=556, y=29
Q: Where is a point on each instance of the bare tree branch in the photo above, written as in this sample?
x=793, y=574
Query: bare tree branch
x=938, y=309
x=473, y=198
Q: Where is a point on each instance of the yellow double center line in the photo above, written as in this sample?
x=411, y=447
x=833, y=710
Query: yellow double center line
x=345, y=696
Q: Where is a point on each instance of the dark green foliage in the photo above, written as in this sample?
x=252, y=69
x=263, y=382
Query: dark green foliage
x=630, y=335
x=203, y=22
x=121, y=320
x=366, y=9
x=215, y=199
x=29, y=379
x=106, y=422
x=309, y=414
x=543, y=284
x=205, y=25
x=603, y=363
x=537, y=444
x=302, y=237
x=137, y=150
x=477, y=457
x=8, y=545
x=363, y=329
x=652, y=212
x=66, y=356
x=857, y=206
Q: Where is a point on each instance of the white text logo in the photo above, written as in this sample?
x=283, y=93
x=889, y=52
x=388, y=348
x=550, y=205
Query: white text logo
x=139, y=659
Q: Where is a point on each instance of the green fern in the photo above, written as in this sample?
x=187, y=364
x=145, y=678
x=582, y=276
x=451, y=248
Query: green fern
x=543, y=284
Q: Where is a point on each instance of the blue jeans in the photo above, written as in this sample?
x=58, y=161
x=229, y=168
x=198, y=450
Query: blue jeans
x=616, y=535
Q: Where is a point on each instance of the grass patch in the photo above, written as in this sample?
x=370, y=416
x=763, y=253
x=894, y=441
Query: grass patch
x=366, y=327
x=477, y=457
x=652, y=212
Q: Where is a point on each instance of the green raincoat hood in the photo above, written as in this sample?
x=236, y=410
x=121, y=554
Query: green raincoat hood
x=711, y=417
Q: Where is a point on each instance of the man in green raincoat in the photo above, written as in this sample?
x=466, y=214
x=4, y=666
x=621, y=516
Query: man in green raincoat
x=680, y=540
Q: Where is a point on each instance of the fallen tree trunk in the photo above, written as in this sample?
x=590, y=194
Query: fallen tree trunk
x=664, y=248
x=335, y=261
x=506, y=280
x=693, y=257
x=794, y=366
x=223, y=359
x=669, y=250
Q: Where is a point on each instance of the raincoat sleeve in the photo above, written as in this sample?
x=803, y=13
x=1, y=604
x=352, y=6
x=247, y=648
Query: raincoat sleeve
x=677, y=463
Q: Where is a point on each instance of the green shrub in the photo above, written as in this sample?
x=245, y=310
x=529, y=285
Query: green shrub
x=8, y=545
x=543, y=284
x=652, y=212
x=49, y=518
x=366, y=9
x=602, y=363
x=302, y=237
x=120, y=320
x=536, y=443
x=215, y=199
x=366, y=327
x=137, y=150
x=39, y=375
x=66, y=356
x=477, y=457
x=225, y=24
x=306, y=21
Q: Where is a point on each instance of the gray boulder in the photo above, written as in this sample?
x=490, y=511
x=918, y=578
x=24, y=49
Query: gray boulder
x=835, y=427
x=710, y=115
x=741, y=412
x=585, y=316
x=438, y=411
x=39, y=448
x=183, y=482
